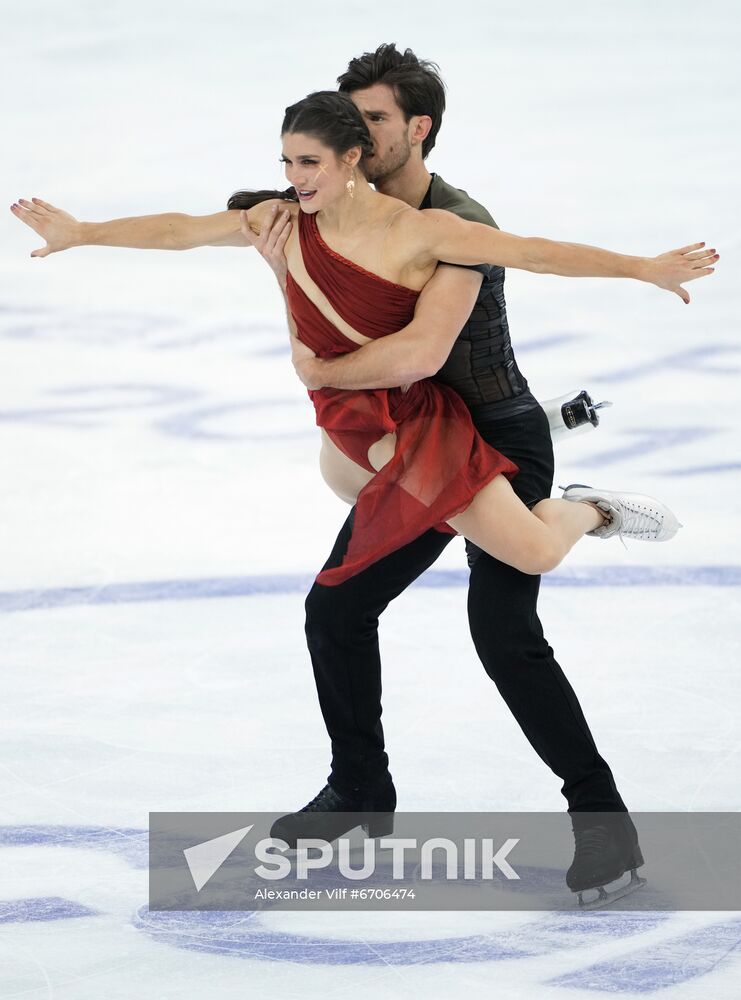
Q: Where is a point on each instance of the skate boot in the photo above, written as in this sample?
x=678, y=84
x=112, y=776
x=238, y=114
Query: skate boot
x=631, y=515
x=330, y=814
x=606, y=848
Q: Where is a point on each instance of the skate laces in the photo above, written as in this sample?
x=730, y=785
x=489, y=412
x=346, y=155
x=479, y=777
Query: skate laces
x=326, y=797
x=591, y=842
x=638, y=521
x=620, y=535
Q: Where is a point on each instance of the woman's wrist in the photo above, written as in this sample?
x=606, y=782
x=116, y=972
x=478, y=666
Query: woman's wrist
x=644, y=269
x=83, y=234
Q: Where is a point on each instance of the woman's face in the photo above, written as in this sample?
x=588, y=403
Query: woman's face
x=315, y=170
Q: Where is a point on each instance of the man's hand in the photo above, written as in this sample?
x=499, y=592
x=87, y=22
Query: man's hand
x=670, y=270
x=271, y=243
x=60, y=230
x=307, y=364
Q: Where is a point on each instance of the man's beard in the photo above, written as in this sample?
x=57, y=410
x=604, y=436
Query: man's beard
x=377, y=170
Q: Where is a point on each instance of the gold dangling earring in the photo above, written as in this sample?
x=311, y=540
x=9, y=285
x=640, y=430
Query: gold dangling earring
x=351, y=185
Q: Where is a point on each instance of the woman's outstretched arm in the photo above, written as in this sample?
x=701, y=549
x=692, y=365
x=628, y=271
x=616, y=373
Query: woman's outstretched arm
x=168, y=231
x=438, y=235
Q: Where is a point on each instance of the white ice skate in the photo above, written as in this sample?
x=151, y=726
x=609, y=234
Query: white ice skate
x=631, y=515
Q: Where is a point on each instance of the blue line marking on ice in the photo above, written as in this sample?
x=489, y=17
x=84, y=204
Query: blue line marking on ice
x=22, y=911
x=646, y=442
x=300, y=583
x=704, y=470
x=664, y=964
x=242, y=334
x=145, y=396
x=550, y=340
x=695, y=359
x=187, y=425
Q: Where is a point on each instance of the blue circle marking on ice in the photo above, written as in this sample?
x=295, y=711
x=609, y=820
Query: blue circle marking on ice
x=243, y=935
x=662, y=964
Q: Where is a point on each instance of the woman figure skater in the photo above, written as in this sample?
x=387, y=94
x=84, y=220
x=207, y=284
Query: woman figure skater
x=409, y=459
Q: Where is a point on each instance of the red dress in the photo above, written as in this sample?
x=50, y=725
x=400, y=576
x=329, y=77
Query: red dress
x=440, y=461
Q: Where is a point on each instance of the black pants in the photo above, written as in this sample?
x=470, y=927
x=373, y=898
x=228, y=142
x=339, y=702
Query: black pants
x=342, y=634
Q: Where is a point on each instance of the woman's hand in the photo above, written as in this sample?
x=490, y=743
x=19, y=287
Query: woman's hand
x=670, y=270
x=307, y=364
x=271, y=242
x=60, y=230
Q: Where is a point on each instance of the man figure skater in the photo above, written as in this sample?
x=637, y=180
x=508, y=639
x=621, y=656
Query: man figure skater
x=460, y=335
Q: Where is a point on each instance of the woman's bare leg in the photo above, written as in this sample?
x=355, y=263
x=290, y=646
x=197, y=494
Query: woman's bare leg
x=343, y=476
x=496, y=519
x=532, y=541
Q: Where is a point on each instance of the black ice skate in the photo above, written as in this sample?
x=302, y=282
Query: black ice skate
x=330, y=814
x=606, y=848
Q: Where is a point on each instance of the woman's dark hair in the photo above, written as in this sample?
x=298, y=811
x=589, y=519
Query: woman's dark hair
x=332, y=118
x=416, y=83
x=248, y=199
x=326, y=115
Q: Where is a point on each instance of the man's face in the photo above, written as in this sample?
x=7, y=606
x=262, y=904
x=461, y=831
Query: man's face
x=390, y=132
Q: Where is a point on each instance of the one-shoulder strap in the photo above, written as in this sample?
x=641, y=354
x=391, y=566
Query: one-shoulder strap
x=370, y=304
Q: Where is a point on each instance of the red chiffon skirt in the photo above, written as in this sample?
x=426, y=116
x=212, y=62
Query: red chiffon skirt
x=440, y=462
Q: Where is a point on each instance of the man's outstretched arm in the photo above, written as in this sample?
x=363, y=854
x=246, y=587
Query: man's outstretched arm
x=167, y=231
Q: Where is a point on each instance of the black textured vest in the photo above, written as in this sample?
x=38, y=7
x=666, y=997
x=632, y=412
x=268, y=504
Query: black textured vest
x=481, y=366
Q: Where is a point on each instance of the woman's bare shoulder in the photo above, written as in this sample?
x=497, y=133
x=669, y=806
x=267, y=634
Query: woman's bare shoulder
x=388, y=207
x=419, y=228
x=406, y=244
x=409, y=223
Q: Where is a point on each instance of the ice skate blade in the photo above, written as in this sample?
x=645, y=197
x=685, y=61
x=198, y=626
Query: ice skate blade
x=604, y=898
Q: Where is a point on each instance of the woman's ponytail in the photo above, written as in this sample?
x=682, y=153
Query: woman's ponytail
x=248, y=199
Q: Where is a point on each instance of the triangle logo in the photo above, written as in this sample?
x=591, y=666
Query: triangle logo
x=205, y=859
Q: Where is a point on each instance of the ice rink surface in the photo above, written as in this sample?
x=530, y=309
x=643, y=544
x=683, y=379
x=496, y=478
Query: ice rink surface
x=162, y=513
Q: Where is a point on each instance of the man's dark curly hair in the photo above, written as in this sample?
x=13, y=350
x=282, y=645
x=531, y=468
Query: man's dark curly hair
x=416, y=83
